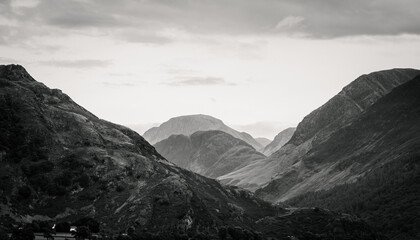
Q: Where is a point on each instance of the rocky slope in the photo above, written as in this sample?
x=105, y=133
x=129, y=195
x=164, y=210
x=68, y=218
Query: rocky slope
x=370, y=167
x=59, y=163
x=317, y=127
x=187, y=125
x=282, y=138
x=209, y=153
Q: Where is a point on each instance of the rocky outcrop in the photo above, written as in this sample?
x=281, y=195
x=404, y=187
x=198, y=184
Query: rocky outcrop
x=279, y=141
x=209, y=153
x=187, y=125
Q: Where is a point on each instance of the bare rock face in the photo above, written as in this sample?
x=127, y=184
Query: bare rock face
x=187, y=125
x=209, y=153
x=279, y=141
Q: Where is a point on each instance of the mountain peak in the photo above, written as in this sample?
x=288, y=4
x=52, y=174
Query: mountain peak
x=189, y=124
x=351, y=101
x=15, y=72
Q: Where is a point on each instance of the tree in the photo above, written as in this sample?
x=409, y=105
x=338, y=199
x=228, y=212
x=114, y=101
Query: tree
x=22, y=234
x=82, y=232
x=88, y=222
x=3, y=235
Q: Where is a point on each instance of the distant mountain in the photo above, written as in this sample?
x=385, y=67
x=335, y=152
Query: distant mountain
x=187, y=125
x=369, y=167
x=263, y=141
x=59, y=162
x=317, y=127
x=282, y=138
x=209, y=153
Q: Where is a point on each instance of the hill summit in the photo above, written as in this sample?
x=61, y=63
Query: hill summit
x=189, y=124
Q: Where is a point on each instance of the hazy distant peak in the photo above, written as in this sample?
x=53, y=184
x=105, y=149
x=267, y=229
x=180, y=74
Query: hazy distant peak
x=190, y=124
x=279, y=141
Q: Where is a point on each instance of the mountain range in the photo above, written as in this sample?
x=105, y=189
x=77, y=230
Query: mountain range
x=60, y=162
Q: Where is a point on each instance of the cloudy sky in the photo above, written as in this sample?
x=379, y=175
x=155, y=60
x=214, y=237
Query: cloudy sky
x=260, y=66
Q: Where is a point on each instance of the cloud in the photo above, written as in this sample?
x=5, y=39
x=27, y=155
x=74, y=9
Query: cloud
x=144, y=21
x=289, y=22
x=135, y=36
x=199, y=81
x=86, y=63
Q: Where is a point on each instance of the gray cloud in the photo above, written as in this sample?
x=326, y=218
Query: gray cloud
x=86, y=63
x=199, y=81
x=143, y=21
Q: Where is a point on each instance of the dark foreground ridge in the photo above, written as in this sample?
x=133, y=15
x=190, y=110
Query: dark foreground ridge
x=61, y=164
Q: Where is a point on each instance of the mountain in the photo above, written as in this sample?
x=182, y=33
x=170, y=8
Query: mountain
x=209, y=153
x=60, y=163
x=282, y=138
x=317, y=127
x=370, y=167
x=187, y=125
x=263, y=141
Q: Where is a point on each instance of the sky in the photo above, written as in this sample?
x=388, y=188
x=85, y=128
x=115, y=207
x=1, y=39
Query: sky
x=260, y=66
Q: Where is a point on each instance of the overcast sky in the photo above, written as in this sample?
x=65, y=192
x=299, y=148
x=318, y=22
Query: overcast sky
x=260, y=66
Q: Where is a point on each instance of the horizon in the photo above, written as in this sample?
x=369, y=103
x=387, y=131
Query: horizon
x=260, y=67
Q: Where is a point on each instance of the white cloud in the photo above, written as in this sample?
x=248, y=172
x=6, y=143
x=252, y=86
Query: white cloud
x=290, y=22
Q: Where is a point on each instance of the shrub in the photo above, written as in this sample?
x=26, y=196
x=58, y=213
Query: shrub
x=23, y=234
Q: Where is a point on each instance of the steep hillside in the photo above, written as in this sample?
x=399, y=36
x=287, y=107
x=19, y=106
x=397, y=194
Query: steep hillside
x=376, y=157
x=317, y=127
x=187, y=125
x=209, y=153
x=282, y=138
x=58, y=162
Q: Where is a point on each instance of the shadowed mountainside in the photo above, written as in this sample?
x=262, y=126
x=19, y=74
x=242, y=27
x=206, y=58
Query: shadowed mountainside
x=379, y=155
